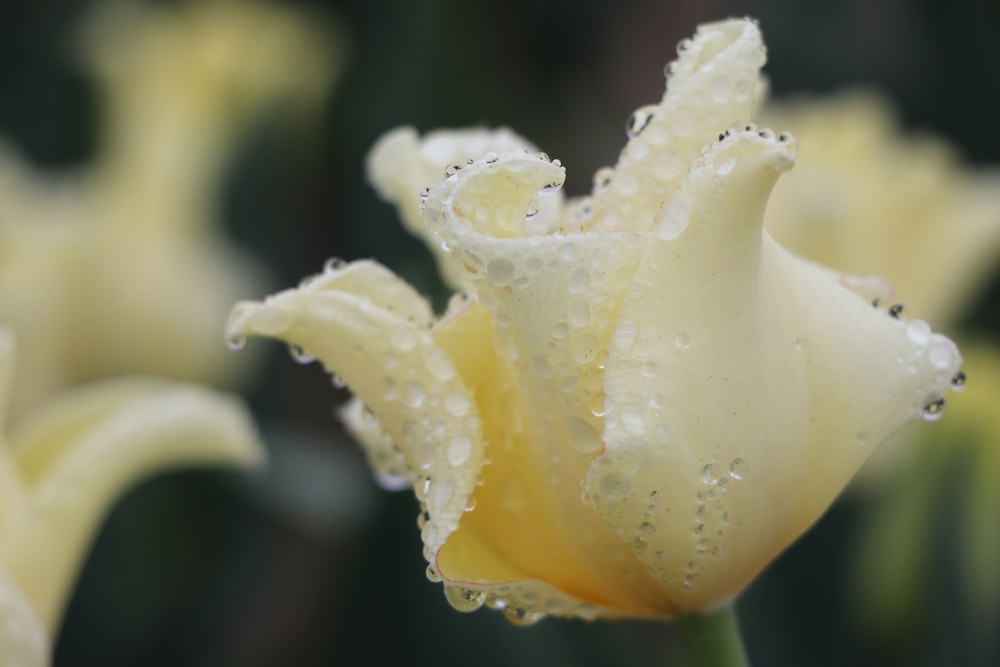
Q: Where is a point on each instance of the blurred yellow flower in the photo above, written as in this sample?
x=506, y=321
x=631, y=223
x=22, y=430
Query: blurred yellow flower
x=869, y=200
x=64, y=466
x=643, y=399
x=122, y=268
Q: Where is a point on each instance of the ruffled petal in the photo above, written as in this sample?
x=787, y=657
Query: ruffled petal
x=751, y=376
x=713, y=84
x=529, y=545
x=551, y=302
x=78, y=454
x=401, y=165
x=394, y=366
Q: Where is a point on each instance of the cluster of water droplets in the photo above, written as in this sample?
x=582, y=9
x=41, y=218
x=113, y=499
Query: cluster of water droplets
x=524, y=603
x=925, y=348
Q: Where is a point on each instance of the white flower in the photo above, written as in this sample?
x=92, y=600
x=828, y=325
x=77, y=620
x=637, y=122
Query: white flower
x=644, y=399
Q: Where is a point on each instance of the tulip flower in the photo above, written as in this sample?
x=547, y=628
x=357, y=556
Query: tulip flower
x=639, y=398
x=65, y=464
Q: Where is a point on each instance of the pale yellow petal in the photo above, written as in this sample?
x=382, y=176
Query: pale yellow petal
x=713, y=85
x=552, y=300
x=395, y=367
x=402, y=164
x=23, y=639
x=77, y=464
x=529, y=544
x=754, y=388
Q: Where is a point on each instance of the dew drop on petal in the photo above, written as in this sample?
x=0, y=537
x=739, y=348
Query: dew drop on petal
x=457, y=404
x=464, y=599
x=585, y=348
x=639, y=119
x=737, y=469
x=236, y=341
x=682, y=341
x=615, y=485
x=918, y=331
x=958, y=381
x=299, y=355
x=933, y=410
x=521, y=617
x=602, y=178
x=459, y=450
x=709, y=474
x=583, y=437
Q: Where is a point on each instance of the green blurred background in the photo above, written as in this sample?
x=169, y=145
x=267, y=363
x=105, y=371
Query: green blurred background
x=310, y=563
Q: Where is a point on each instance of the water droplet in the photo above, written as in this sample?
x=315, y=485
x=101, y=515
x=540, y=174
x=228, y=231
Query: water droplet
x=459, y=450
x=500, y=271
x=432, y=575
x=958, y=381
x=709, y=475
x=457, y=404
x=521, y=617
x=941, y=353
x=336, y=263
x=389, y=391
x=299, y=355
x=597, y=405
x=602, y=178
x=933, y=409
x=647, y=527
x=338, y=381
x=413, y=394
x=682, y=341
x=656, y=401
x=615, y=485
x=439, y=363
x=649, y=369
x=801, y=343
x=861, y=439
x=896, y=310
x=683, y=45
x=236, y=341
x=583, y=437
x=533, y=266
x=491, y=158
x=726, y=166
x=560, y=331
x=579, y=281
x=404, y=337
x=532, y=210
x=425, y=194
x=550, y=188
x=626, y=184
x=737, y=469
x=452, y=170
x=918, y=331
x=639, y=119
x=464, y=599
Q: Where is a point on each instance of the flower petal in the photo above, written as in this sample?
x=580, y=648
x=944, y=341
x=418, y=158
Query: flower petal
x=528, y=525
x=714, y=84
x=552, y=301
x=395, y=367
x=79, y=453
x=755, y=373
x=401, y=164
x=23, y=640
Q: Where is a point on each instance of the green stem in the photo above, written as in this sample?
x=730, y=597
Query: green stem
x=714, y=639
